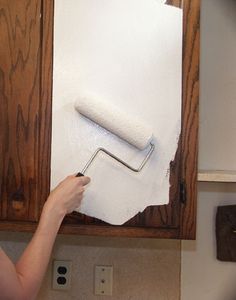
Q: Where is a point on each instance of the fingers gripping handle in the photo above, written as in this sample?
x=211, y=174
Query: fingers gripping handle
x=79, y=174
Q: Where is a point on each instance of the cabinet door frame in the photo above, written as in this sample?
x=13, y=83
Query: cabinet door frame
x=188, y=144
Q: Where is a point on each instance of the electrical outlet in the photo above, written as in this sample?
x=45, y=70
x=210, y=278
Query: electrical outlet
x=61, y=279
x=103, y=280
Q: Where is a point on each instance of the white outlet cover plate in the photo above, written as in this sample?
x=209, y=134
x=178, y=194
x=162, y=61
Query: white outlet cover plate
x=103, y=280
x=61, y=263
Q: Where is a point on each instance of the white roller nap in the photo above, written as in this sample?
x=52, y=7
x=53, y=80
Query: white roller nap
x=111, y=117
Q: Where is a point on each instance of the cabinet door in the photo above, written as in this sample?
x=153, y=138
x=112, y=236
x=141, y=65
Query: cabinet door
x=25, y=101
x=177, y=219
x=25, y=80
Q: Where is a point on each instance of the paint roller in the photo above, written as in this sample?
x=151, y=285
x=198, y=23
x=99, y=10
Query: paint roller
x=127, y=127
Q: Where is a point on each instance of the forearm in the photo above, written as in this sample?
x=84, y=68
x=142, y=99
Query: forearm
x=33, y=263
x=22, y=281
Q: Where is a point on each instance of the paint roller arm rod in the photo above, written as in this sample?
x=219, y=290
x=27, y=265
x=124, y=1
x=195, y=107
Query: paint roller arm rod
x=152, y=147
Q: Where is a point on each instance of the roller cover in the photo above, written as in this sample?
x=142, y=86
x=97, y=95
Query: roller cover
x=112, y=118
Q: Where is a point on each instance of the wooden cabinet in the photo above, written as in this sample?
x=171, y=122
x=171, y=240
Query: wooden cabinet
x=26, y=31
x=25, y=106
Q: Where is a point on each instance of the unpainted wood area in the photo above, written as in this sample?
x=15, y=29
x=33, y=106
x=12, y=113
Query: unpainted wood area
x=25, y=93
x=190, y=115
x=20, y=97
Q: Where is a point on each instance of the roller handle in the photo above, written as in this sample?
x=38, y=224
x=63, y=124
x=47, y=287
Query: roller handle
x=79, y=174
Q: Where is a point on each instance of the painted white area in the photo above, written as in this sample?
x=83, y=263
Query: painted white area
x=130, y=53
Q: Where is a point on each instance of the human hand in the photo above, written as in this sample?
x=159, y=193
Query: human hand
x=67, y=196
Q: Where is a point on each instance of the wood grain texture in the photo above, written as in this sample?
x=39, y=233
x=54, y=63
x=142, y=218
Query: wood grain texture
x=95, y=230
x=19, y=105
x=190, y=116
x=26, y=29
x=45, y=108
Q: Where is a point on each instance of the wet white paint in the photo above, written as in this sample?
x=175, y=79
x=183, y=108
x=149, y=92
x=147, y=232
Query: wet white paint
x=117, y=121
x=130, y=53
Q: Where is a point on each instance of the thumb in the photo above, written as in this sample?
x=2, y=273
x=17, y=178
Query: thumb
x=84, y=180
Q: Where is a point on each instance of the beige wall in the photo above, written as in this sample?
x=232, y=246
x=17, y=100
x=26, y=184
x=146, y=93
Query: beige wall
x=203, y=277
x=218, y=85
x=144, y=269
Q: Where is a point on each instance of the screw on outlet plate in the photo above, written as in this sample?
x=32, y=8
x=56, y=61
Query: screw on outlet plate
x=103, y=280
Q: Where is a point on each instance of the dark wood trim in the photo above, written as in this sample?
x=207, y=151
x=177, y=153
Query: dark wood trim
x=190, y=116
x=119, y=231
x=20, y=99
x=45, y=109
x=95, y=230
